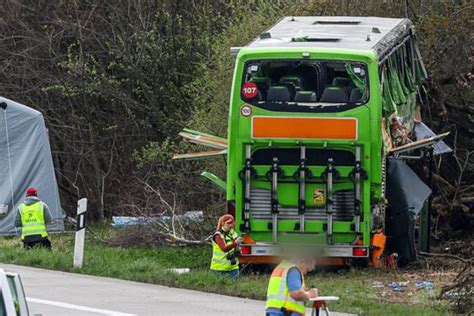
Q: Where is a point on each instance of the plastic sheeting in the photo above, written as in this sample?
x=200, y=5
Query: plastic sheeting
x=25, y=160
x=405, y=189
x=406, y=195
x=125, y=221
x=422, y=132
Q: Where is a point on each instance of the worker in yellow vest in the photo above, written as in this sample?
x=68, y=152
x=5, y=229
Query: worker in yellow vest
x=224, y=248
x=286, y=294
x=32, y=217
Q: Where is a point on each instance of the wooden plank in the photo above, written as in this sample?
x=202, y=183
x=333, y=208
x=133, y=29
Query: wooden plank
x=204, y=139
x=418, y=144
x=200, y=155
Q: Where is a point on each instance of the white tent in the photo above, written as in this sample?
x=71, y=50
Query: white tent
x=25, y=160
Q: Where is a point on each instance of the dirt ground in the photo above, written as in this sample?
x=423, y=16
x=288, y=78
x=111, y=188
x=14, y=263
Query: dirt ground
x=406, y=286
x=446, y=273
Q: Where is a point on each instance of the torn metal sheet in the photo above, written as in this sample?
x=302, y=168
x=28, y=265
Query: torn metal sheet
x=405, y=190
x=406, y=195
x=204, y=139
x=200, y=155
x=221, y=184
x=423, y=132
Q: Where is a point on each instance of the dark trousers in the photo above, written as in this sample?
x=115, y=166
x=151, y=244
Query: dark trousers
x=39, y=243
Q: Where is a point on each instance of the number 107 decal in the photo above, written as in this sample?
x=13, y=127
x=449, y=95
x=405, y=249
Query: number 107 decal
x=249, y=90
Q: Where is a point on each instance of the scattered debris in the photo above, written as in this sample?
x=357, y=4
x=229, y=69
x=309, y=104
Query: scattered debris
x=460, y=290
x=456, y=294
x=377, y=284
x=124, y=221
x=424, y=284
x=395, y=286
x=179, y=270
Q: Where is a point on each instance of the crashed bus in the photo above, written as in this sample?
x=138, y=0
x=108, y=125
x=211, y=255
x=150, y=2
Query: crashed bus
x=324, y=121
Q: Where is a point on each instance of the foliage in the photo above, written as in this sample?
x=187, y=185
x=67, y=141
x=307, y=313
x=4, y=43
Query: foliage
x=110, y=78
x=117, y=81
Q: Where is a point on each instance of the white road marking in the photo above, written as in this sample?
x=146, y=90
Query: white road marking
x=77, y=307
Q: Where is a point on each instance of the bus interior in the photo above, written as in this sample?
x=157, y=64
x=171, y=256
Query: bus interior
x=307, y=82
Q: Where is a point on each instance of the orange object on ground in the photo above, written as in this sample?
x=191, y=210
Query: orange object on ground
x=304, y=128
x=377, y=241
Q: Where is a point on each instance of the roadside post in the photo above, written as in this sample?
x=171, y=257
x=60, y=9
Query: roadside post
x=80, y=233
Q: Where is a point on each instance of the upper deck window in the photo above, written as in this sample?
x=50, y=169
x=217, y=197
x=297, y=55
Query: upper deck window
x=305, y=85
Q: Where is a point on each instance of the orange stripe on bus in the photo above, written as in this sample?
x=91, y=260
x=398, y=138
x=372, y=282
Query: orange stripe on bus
x=304, y=127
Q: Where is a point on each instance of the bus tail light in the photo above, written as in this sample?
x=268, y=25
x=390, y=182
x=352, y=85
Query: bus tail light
x=359, y=252
x=246, y=250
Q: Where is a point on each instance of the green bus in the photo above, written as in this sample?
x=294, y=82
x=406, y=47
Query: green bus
x=319, y=107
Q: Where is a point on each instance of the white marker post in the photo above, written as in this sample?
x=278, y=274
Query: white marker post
x=80, y=233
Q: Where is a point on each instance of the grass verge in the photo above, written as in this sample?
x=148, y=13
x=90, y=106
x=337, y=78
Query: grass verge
x=354, y=287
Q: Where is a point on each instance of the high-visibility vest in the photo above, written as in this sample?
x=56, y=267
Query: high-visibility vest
x=32, y=220
x=220, y=259
x=278, y=295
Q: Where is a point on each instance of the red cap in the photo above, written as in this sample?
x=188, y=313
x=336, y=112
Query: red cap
x=31, y=191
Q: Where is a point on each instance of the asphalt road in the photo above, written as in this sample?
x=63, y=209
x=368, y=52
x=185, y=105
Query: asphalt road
x=53, y=293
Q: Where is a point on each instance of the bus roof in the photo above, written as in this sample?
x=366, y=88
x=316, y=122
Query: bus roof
x=339, y=32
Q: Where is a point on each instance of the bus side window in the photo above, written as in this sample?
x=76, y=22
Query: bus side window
x=3, y=311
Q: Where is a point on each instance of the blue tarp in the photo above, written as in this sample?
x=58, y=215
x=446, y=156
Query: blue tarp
x=124, y=221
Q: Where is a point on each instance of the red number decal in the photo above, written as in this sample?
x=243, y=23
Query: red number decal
x=249, y=90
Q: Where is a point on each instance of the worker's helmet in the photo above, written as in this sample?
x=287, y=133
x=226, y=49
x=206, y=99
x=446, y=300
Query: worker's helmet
x=31, y=191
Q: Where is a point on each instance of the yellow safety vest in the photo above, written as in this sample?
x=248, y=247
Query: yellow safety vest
x=220, y=259
x=278, y=295
x=32, y=220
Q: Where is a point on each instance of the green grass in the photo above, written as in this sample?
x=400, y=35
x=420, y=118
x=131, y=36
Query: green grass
x=354, y=287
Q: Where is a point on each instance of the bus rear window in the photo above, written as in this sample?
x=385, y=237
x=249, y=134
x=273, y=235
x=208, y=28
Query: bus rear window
x=305, y=85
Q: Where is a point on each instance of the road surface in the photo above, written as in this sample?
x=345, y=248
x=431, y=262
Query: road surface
x=53, y=293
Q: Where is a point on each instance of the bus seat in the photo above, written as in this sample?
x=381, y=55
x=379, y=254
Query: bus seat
x=260, y=79
x=342, y=81
x=305, y=96
x=259, y=96
x=262, y=84
x=295, y=80
x=334, y=95
x=355, y=96
x=278, y=93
